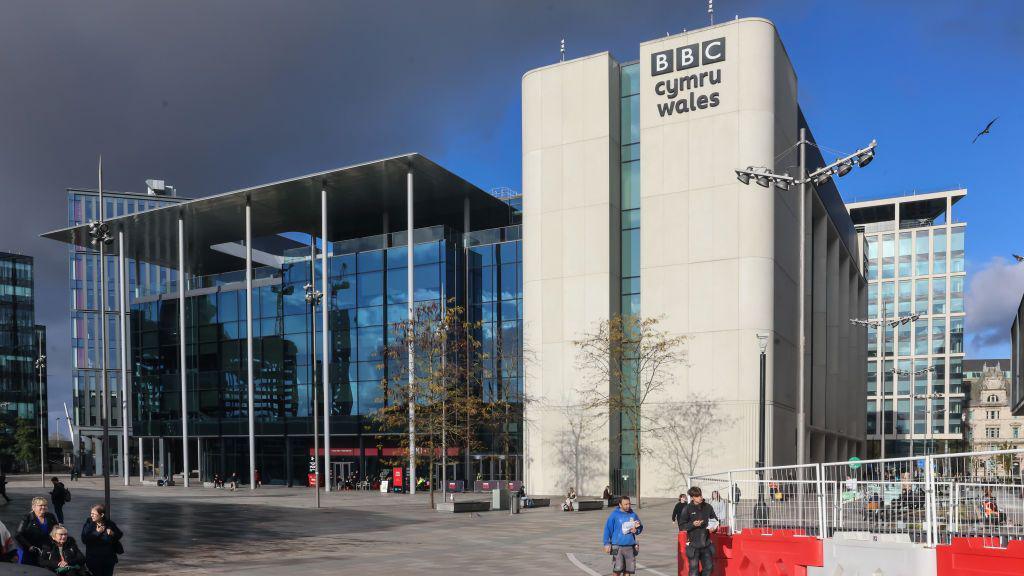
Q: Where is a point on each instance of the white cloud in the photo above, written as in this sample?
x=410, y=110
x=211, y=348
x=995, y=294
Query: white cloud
x=993, y=294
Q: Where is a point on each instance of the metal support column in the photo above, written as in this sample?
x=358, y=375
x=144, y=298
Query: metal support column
x=142, y=466
x=325, y=360
x=183, y=366
x=250, y=380
x=411, y=480
x=801, y=417
x=122, y=275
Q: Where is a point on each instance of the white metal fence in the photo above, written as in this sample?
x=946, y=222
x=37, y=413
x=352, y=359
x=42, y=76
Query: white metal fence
x=928, y=499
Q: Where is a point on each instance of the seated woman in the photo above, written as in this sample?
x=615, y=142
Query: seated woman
x=62, y=555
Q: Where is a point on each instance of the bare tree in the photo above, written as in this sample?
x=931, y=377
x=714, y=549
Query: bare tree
x=626, y=361
x=687, y=432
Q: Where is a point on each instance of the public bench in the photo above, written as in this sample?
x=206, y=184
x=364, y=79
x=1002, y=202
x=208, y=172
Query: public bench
x=589, y=505
x=464, y=506
x=538, y=503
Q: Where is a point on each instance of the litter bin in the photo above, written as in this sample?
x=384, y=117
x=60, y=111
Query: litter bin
x=514, y=503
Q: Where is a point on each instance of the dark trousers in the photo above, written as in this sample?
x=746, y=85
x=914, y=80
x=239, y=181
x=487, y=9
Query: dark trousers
x=3, y=492
x=100, y=566
x=701, y=560
x=58, y=511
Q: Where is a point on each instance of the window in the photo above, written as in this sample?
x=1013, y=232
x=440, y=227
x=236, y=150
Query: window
x=872, y=252
x=921, y=336
x=938, y=336
x=938, y=295
x=991, y=432
x=956, y=335
x=905, y=297
x=1016, y=431
x=888, y=299
x=888, y=256
x=956, y=293
x=956, y=250
x=905, y=255
x=873, y=300
x=922, y=251
x=992, y=414
x=992, y=398
x=939, y=251
x=921, y=297
x=904, y=339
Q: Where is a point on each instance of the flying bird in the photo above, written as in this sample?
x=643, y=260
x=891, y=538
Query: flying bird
x=1018, y=257
x=985, y=131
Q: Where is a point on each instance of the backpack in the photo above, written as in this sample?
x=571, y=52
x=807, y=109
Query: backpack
x=67, y=495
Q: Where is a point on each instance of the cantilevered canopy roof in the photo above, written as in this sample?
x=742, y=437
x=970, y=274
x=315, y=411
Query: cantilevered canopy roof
x=361, y=201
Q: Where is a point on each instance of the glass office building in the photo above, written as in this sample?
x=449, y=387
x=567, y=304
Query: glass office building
x=914, y=257
x=21, y=343
x=474, y=266
x=83, y=260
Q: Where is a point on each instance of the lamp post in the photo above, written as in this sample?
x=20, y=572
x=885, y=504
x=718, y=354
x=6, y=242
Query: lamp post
x=100, y=238
x=40, y=370
x=765, y=177
x=761, y=508
x=913, y=397
x=879, y=324
x=313, y=298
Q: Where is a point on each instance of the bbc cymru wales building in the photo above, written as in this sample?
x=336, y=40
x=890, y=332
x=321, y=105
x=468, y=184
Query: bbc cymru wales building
x=630, y=205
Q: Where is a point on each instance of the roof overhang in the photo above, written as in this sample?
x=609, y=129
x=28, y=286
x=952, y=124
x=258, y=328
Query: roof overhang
x=362, y=200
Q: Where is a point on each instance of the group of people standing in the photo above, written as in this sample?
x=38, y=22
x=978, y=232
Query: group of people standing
x=43, y=540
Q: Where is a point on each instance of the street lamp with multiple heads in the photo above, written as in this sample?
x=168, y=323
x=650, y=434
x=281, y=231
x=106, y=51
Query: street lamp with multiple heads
x=765, y=177
x=314, y=298
x=878, y=324
x=40, y=370
x=913, y=397
x=100, y=238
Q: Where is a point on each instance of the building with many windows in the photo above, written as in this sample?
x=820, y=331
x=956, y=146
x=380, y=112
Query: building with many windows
x=23, y=398
x=913, y=250
x=465, y=250
x=87, y=384
x=631, y=205
x=988, y=422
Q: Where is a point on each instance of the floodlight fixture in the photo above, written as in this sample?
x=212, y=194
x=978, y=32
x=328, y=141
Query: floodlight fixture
x=743, y=177
x=865, y=158
x=845, y=168
x=763, y=180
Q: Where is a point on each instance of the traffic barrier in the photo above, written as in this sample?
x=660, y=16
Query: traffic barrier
x=972, y=557
x=882, y=554
x=722, y=541
x=781, y=552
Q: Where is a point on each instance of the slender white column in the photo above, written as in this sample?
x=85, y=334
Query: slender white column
x=142, y=467
x=125, y=345
x=248, y=346
x=412, y=399
x=181, y=343
x=326, y=356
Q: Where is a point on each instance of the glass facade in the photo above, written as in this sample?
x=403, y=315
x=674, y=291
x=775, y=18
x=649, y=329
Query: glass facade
x=84, y=266
x=367, y=285
x=917, y=270
x=20, y=339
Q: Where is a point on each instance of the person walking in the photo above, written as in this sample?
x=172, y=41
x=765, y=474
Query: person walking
x=34, y=532
x=696, y=520
x=3, y=486
x=620, y=532
x=678, y=508
x=102, y=539
x=59, y=496
x=62, y=555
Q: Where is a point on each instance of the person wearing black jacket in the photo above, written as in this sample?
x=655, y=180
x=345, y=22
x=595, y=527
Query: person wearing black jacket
x=102, y=539
x=678, y=509
x=62, y=555
x=59, y=496
x=694, y=520
x=34, y=532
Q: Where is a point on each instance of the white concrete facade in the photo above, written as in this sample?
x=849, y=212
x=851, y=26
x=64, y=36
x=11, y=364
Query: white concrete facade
x=719, y=260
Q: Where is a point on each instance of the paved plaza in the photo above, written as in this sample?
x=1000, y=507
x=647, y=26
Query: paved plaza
x=276, y=531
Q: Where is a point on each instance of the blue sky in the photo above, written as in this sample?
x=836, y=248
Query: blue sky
x=215, y=96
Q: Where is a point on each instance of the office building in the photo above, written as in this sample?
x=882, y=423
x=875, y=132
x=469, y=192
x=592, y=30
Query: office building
x=988, y=421
x=631, y=205
x=23, y=399
x=87, y=384
x=913, y=250
x=466, y=251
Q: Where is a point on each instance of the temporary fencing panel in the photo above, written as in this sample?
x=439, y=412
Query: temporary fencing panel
x=972, y=557
x=975, y=497
x=769, y=499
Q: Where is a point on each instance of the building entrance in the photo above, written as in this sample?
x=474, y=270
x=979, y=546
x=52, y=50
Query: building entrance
x=342, y=472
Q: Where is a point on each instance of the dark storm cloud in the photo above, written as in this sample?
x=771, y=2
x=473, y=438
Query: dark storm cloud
x=213, y=96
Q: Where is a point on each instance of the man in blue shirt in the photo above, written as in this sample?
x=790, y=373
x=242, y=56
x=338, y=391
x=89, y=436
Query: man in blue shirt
x=620, y=532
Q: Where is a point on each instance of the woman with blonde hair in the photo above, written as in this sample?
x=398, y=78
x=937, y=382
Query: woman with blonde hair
x=34, y=532
x=102, y=539
x=62, y=554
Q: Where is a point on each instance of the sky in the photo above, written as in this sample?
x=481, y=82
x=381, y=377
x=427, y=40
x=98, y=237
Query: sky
x=217, y=95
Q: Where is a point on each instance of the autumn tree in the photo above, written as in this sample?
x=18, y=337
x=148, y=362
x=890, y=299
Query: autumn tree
x=443, y=363
x=626, y=361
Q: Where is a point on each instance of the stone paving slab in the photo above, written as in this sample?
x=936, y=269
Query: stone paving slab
x=275, y=531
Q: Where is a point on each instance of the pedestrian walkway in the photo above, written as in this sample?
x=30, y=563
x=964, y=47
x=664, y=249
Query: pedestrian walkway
x=274, y=531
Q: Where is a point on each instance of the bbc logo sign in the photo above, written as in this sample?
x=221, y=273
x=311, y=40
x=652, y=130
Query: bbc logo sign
x=689, y=56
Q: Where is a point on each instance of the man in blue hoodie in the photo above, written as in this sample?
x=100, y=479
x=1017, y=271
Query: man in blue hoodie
x=620, y=532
